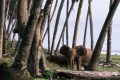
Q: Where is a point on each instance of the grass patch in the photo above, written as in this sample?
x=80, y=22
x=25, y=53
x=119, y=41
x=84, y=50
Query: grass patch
x=53, y=66
x=9, y=61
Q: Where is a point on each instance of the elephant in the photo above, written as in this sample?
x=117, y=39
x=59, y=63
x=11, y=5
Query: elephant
x=78, y=54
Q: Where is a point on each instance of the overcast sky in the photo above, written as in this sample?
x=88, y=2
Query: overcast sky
x=99, y=12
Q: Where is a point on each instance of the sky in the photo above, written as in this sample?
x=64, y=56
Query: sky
x=100, y=10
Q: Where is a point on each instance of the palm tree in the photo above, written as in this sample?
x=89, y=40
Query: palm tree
x=86, y=25
x=67, y=37
x=108, y=56
x=2, y=22
x=89, y=15
x=77, y=23
x=55, y=7
x=56, y=26
x=25, y=46
x=91, y=25
x=100, y=41
x=64, y=26
x=49, y=33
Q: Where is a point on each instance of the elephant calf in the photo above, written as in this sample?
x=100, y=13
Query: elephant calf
x=78, y=54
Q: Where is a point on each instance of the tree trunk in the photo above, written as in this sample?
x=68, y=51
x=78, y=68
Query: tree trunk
x=77, y=23
x=88, y=75
x=25, y=46
x=56, y=3
x=2, y=22
x=86, y=25
x=91, y=25
x=33, y=62
x=50, y=19
x=37, y=54
x=49, y=33
x=46, y=11
x=11, y=13
x=63, y=39
x=4, y=41
x=30, y=4
x=64, y=26
x=109, y=34
x=67, y=37
x=13, y=38
x=100, y=41
x=56, y=26
x=22, y=16
x=17, y=47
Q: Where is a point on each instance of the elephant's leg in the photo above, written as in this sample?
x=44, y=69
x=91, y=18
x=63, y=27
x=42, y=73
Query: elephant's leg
x=85, y=67
x=68, y=65
x=72, y=65
x=79, y=63
x=71, y=62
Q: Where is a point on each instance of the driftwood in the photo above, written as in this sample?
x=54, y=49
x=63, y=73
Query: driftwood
x=91, y=75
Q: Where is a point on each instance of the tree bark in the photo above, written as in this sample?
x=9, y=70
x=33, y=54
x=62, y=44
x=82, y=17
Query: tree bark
x=100, y=41
x=89, y=75
x=50, y=19
x=85, y=31
x=2, y=24
x=109, y=34
x=56, y=3
x=67, y=32
x=36, y=55
x=56, y=26
x=25, y=46
x=49, y=33
x=46, y=11
x=64, y=26
x=91, y=25
x=77, y=23
x=22, y=16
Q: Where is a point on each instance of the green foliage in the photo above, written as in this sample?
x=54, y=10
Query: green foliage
x=46, y=75
x=52, y=66
x=6, y=60
x=115, y=58
x=10, y=47
x=111, y=69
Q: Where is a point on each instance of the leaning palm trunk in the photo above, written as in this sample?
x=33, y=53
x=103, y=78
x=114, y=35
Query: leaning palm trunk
x=2, y=21
x=49, y=33
x=50, y=19
x=85, y=31
x=11, y=13
x=67, y=36
x=56, y=26
x=108, y=56
x=46, y=11
x=64, y=26
x=77, y=23
x=91, y=25
x=55, y=7
x=100, y=41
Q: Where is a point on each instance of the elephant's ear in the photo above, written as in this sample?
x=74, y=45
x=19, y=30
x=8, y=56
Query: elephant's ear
x=81, y=50
x=64, y=50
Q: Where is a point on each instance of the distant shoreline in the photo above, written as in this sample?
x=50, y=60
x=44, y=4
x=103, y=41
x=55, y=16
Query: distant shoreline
x=113, y=52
